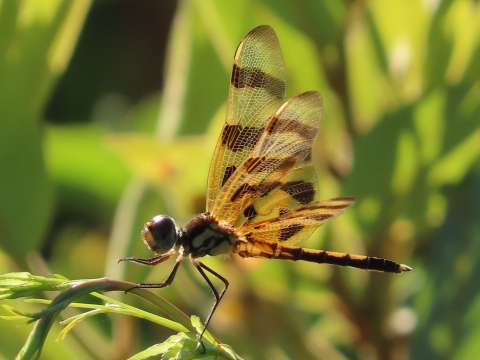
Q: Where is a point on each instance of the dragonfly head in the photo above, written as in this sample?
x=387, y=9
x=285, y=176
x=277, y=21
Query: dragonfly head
x=160, y=234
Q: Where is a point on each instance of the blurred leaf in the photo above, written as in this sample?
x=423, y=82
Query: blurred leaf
x=369, y=91
x=429, y=121
x=455, y=165
x=180, y=166
x=448, y=303
x=76, y=155
x=37, y=40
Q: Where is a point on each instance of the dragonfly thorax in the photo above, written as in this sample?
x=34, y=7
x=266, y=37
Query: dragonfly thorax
x=161, y=234
x=205, y=236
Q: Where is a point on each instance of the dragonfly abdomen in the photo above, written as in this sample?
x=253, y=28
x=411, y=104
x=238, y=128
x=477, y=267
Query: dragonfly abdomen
x=355, y=261
x=273, y=250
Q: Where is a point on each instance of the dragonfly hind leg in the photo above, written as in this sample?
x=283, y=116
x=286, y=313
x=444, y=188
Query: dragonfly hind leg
x=201, y=267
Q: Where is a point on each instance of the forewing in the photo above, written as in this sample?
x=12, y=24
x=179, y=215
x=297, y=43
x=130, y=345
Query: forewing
x=257, y=89
x=296, y=226
x=277, y=171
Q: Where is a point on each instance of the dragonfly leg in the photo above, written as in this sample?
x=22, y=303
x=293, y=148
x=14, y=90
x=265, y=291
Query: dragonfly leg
x=167, y=282
x=218, y=296
x=150, y=262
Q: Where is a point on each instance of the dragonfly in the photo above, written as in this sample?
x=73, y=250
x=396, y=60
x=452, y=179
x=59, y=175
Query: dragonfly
x=262, y=191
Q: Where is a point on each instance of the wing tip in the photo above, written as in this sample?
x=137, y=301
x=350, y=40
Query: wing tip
x=261, y=28
x=312, y=95
x=347, y=201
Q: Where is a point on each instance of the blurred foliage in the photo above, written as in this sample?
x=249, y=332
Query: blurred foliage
x=401, y=133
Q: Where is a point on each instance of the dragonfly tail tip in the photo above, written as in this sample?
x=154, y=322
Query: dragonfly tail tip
x=404, y=268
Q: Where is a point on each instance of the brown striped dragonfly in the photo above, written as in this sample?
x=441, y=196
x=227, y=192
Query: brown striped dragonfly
x=262, y=193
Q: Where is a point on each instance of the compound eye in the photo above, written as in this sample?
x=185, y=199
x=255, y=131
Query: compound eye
x=160, y=234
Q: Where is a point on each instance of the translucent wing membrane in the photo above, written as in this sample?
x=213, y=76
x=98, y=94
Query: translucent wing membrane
x=296, y=226
x=257, y=89
x=277, y=175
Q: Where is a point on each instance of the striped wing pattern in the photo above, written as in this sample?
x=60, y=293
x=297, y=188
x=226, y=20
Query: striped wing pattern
x=261, y=180
x=257, y=89
x=262, y=195
x=297, y=225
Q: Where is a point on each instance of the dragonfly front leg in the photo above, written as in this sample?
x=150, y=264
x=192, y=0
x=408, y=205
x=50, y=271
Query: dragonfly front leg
x=154, y=261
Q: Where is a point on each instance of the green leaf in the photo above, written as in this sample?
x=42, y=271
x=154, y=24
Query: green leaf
x=37, y=40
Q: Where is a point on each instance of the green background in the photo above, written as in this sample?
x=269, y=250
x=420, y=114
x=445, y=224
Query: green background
x=109, y=114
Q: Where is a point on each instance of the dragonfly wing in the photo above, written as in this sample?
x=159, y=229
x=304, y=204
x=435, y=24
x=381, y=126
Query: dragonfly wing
x=296, y=226
x=278, y=172
x=257, y=89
